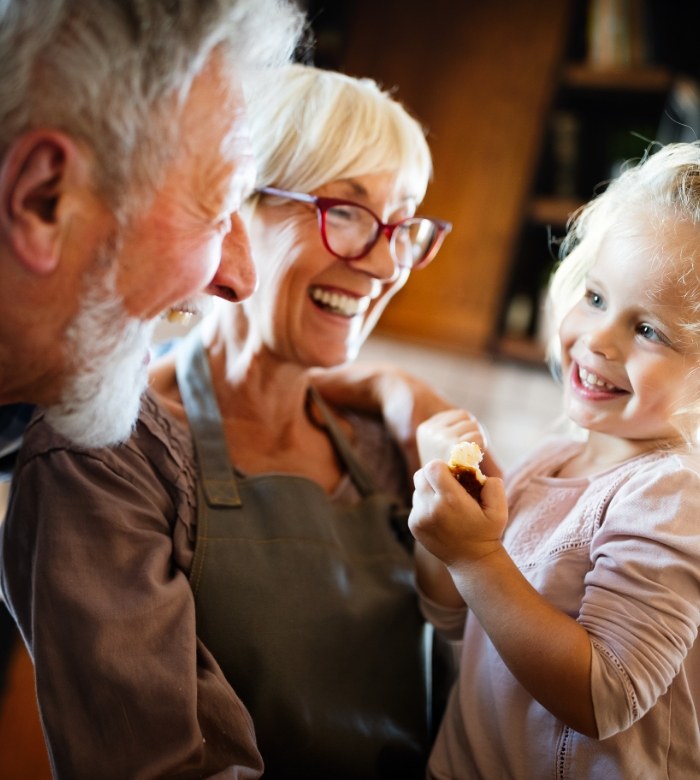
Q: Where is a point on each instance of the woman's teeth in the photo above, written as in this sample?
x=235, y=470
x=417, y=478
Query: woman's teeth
x=589, y=379
x=345, y=305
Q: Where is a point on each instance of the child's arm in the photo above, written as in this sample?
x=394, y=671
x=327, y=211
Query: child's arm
x=435, y=438
x=547, y=651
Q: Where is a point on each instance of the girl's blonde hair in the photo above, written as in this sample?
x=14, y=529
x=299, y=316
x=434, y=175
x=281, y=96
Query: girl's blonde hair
x=664, y=185
x=311, y=126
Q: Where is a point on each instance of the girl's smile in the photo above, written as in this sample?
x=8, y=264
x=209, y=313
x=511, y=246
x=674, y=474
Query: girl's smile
x=629, y=371
x=593, y=386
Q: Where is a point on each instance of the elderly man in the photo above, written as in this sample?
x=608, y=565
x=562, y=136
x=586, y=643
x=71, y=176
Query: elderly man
x=124, y=157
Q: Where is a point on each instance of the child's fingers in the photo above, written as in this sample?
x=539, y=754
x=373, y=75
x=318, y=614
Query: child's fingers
x=493, y=495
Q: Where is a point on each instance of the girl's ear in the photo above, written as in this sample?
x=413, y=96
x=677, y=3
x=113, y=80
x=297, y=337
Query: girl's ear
x=36, y=173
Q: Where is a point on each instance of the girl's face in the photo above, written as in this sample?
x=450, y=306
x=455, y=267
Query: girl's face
x=312, y=308
x=627, y=364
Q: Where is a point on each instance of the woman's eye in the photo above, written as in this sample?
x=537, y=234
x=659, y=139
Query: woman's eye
x=343, y=213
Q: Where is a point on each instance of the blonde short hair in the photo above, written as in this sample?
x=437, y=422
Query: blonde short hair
x=311, y=126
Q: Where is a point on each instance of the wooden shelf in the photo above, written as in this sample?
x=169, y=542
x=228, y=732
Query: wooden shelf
x=646, y=79
x=552, y=210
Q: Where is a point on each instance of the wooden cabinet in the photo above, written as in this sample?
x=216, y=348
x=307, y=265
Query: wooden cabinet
x=479, y=76
x=522, y=131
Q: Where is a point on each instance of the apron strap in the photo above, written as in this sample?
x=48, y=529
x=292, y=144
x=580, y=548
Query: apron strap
x=217, y=475
x=197, y=391
x=362, y=480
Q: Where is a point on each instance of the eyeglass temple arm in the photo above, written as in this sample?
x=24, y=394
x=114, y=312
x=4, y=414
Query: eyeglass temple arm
x=287, y=194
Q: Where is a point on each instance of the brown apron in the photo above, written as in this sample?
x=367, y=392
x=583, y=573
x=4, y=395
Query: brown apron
x=309, y=607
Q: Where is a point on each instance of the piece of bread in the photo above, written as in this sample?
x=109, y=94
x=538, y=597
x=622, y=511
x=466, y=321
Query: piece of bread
x=464, y=464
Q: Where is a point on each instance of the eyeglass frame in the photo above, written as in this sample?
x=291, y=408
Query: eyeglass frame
x=322, y=205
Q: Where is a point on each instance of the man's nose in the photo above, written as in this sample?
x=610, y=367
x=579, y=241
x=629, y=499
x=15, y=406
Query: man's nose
x=235, y=278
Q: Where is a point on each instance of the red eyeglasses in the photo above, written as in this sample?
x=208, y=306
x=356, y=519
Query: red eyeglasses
x=350, y=231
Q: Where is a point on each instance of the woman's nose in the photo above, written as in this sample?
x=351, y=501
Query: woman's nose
x=379, y=262
x=235, y=279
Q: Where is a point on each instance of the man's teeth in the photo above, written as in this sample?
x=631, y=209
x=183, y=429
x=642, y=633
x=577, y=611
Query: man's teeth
x=339, y=303
x=184, y=311
x=592, y=380
x=179, y=316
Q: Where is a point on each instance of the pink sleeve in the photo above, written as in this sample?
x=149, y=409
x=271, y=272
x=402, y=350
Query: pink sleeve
x=642, y=599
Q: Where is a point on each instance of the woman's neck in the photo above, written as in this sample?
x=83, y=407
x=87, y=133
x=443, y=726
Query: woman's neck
x=263, y=406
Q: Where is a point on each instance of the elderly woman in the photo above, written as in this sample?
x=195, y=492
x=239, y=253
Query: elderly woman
x=248, y=538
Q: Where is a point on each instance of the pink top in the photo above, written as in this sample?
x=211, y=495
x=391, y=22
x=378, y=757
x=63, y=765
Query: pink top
x=620, y=552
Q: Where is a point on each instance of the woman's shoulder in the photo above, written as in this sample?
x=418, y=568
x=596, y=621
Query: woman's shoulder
x=378, y=452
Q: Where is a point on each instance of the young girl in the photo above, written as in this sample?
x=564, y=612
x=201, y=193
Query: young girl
x=581, y=573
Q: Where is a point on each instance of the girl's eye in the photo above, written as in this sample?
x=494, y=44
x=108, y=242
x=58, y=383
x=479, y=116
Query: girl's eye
x=650, y=333
x=594, y=299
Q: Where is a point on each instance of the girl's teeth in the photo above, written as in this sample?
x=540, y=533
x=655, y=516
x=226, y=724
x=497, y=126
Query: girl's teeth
x=338, y=303
x=593, y=380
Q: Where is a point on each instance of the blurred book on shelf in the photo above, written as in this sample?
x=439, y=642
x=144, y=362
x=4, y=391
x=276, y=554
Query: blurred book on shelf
x=617, y=34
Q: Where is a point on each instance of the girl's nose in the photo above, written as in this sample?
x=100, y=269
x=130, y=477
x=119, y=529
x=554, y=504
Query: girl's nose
x=604, y=341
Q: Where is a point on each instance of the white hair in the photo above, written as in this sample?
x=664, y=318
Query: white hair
x=114, y=73
x=311, y=126
x=107, y=348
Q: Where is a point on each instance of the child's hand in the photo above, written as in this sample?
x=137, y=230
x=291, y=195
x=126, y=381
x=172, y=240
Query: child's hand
x=449, y=523
x=438, y=434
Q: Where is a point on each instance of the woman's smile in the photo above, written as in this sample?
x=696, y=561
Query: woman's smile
x=337, y=302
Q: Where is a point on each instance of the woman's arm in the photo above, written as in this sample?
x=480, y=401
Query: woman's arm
x=403, y=400
x=547, y=651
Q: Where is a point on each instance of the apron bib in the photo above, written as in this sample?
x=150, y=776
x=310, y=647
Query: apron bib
x=309, y=607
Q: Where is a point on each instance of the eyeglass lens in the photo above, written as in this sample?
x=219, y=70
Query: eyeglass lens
x=350, y=230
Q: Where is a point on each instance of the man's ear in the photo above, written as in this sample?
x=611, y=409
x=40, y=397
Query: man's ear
x=36, y=172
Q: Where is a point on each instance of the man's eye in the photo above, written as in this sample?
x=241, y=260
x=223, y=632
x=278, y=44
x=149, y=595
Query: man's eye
x=223, y=225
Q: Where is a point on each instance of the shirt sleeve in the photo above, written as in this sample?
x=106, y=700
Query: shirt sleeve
x=125, y=689
x=642, y=599
x=447, y=621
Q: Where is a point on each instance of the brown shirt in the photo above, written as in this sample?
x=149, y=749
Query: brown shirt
x=97, y=548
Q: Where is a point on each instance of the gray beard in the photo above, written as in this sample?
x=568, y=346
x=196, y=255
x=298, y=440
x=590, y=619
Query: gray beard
x=101, y=399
